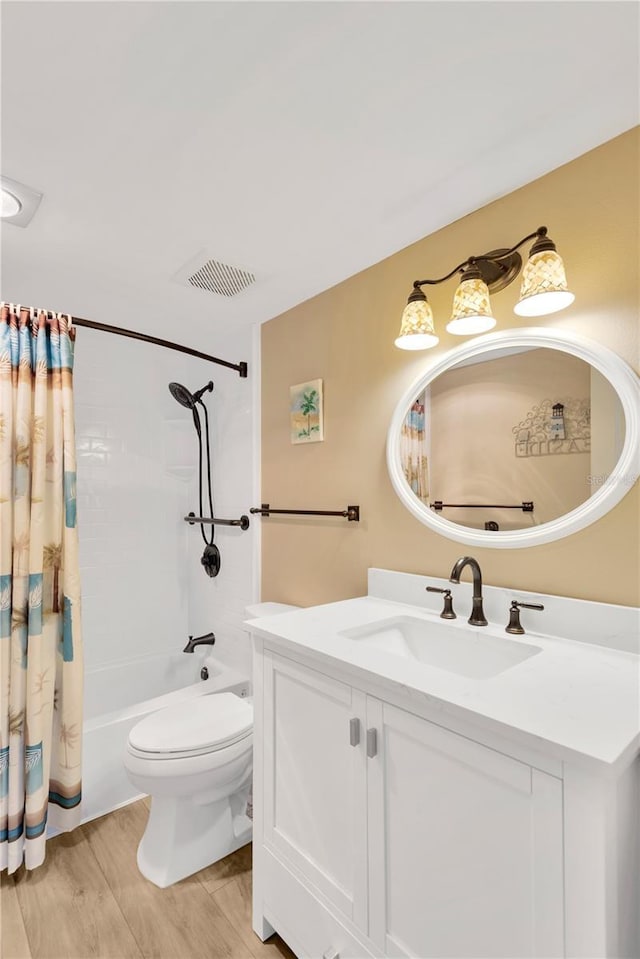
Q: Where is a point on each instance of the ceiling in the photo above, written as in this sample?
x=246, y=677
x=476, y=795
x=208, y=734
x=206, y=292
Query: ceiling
x=300, y=141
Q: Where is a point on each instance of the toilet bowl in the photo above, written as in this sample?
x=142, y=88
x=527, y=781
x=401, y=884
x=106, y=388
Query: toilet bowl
x=195, y=761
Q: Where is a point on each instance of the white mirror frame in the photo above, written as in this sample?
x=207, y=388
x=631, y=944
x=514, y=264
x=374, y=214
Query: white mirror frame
x=622, y=378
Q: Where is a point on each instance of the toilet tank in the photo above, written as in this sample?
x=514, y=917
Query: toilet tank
x=254, y=610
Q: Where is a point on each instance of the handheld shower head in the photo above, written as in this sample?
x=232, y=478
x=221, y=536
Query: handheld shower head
x=188, y=399
x=185, y=397
x=182, y=395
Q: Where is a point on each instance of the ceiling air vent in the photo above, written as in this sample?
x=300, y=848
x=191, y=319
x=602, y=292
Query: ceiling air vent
x=221, y=278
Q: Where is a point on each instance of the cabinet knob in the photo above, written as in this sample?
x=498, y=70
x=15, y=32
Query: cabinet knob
x=372, y=743
x=331, y=953
x=354, y=731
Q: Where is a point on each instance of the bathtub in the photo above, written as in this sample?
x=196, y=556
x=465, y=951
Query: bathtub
x=133, y=692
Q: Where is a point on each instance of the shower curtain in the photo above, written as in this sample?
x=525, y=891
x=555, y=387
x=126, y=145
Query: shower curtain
x=413, y=450
x=40, y=639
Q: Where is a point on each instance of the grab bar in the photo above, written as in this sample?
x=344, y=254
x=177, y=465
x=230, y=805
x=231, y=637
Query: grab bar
x=243, y=522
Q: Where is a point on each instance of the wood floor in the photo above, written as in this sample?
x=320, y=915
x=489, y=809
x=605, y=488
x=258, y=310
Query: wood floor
x=89, y=900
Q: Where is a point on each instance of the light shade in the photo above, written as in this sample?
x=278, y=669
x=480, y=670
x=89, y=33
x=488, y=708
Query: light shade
x=9, y=204
x=471, y=311
x=417, y=330
x=544, y=285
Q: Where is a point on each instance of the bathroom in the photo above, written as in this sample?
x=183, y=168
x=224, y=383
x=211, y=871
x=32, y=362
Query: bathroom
x=142, y=140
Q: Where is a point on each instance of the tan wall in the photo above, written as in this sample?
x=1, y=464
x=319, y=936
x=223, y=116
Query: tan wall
x=345, y=336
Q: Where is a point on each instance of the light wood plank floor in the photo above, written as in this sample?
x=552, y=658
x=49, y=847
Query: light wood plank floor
x=88, y=901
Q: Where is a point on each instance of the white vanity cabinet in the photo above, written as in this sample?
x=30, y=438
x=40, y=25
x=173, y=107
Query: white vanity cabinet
x=386, y=834
x=465, y=845
x=405, y=809
x=315, y=789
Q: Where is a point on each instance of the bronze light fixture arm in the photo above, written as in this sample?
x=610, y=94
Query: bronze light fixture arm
x=540, y=233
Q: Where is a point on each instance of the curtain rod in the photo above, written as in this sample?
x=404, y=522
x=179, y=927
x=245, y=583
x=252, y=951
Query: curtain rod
x=240, y=368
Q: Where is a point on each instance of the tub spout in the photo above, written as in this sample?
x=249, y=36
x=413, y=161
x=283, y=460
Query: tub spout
x=207, y=640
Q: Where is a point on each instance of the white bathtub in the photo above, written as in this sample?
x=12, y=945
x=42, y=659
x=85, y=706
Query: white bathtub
x=133, y=692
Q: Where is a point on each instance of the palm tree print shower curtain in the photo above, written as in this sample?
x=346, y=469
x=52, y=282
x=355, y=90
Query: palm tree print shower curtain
x=40, y=638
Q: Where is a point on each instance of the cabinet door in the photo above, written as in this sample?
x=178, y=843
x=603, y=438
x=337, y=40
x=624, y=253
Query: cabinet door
x=315, y=814
x=465, y=846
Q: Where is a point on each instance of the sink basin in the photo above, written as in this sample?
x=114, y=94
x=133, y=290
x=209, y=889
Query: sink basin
x=468, y=652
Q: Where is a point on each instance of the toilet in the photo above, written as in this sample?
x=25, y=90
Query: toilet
x=195, y=761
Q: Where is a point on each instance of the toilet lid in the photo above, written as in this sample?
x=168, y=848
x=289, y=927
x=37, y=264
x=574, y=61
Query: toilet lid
x=204, y=724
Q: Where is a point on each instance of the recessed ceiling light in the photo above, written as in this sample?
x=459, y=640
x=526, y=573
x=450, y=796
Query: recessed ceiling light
x=18, y=202
x=9, y=204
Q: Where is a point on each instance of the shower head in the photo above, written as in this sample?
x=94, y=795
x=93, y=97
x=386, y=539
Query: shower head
x=185, y=397
x=182, y=395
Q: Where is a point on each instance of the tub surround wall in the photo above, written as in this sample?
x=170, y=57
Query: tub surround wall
x=345, y=335
x=143, y=588
x=131, y=497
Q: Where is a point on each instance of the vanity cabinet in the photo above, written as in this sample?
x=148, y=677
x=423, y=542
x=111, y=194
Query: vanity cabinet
x=315, y=782
x=465, y=845
x=379, y=832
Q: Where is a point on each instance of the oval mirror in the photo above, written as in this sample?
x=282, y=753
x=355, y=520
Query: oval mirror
x=517, y=438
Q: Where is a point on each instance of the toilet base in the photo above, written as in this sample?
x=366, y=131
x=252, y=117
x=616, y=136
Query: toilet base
x=183, y=837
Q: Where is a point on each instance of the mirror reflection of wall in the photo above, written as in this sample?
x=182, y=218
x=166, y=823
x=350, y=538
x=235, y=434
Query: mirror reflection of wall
x=487, y=432
x=607, y=430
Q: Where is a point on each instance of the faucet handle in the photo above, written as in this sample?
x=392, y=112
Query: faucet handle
x=447, y=612
x=514, y=626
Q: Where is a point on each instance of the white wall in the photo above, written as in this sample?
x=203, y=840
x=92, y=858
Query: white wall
x=142, y=585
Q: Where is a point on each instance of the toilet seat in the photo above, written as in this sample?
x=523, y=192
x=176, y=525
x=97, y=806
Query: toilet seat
x=206, y=725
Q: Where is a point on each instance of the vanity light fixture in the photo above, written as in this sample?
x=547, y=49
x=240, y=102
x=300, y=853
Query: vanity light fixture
x=544, y=291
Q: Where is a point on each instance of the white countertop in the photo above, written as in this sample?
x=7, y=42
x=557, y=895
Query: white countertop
x=574, y=700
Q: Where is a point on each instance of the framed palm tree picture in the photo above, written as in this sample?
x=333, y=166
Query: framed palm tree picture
x=305, y=408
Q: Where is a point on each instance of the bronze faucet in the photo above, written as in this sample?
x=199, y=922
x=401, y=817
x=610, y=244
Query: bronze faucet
x=207, y=640
x=477, y=617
